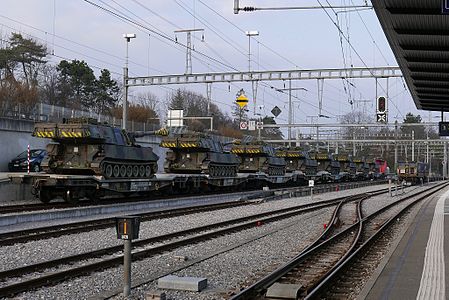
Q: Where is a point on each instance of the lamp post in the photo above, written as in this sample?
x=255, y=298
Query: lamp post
x=250, y=33
x=128, y=37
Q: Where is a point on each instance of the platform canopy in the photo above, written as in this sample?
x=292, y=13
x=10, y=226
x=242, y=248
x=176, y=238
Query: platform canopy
x=418, y=33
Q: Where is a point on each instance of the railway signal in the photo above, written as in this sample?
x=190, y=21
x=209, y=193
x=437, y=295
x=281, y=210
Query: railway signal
x=381, y=110
x=381, y=104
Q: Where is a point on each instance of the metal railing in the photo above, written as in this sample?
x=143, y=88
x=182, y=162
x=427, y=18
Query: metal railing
x=51, y=113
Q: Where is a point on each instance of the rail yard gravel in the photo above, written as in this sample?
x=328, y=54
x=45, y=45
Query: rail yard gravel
x=253, y=259
x=38, y=251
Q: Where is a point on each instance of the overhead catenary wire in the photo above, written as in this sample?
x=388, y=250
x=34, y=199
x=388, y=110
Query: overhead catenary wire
x=73, y=42
x=355, y=51
x=128, y=19
x=161, y=35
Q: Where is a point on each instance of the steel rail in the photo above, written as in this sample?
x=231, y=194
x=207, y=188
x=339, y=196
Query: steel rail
x=140, y=243
x=263, y=284
x=26, y=235
x=326, y=283
x=55, y=277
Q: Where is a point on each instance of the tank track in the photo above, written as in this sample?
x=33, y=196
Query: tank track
x=127, y=170
x=276, y=170
x=222, y=171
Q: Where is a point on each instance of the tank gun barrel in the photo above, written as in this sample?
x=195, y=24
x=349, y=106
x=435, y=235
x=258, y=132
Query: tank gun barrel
x=159, y=132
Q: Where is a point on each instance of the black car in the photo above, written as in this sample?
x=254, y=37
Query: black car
x=20, y=163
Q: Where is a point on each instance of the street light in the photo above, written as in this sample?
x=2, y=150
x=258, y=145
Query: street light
x=250, y=33
x=128, y=37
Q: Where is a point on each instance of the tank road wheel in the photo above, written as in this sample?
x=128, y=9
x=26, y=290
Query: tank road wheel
x=135, y=171
x=129, y=171
x=154, y=168
x=147, y=171
x=141, y=171
x=122, y=171
x=108, y=171
x=116, y=171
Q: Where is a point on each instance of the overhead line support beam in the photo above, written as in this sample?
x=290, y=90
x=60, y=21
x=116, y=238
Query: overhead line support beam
x=226, y=77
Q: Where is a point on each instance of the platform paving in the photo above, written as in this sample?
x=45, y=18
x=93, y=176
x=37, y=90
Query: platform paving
x=418, y=267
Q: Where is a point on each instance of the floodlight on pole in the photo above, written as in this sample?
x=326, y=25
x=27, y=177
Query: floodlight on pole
x=250, y=33
x=128, y=37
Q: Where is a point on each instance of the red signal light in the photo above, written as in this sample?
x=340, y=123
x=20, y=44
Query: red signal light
x=381, y=104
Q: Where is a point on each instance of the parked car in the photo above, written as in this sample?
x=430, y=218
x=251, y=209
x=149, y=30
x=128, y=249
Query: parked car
x=20, y=163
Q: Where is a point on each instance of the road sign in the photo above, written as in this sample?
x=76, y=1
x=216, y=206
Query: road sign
x=252, y=125
x=259, y=125
x=242, y=100
x=381, y=118
x=276, y=111
x=243, y=125
x=311, y=183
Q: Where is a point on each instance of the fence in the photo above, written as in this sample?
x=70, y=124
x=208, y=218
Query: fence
x=51, y=113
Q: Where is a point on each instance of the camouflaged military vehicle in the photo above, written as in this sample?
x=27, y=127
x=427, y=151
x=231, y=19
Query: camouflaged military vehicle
x=298, y=160
x=328, y=168
x=259, y=157
x=362, y=168
x=83, y=146
x=348, y=168
x=196, y=153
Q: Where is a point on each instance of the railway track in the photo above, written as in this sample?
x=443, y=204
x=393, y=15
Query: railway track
x=110, y=257
x=7, y=209
x=312, y=273
x=342, y=281
x=45, y=232
x=22, y=236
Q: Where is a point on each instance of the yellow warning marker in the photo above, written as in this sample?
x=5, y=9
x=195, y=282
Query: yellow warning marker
x=242, y=100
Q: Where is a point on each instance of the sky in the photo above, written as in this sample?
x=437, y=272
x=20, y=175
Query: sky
x=288, y=39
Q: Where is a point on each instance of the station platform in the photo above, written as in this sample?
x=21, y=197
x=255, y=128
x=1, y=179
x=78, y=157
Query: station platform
x=418, y=267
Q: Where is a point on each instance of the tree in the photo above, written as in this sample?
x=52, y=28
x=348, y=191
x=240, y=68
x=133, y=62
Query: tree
x=49, y=85
x=77, y=84
x=239, y=114
x=176, y=100
x=419, y=130
x=107, y=93
x=273, y=132
x=29, y=55
x=195, y=105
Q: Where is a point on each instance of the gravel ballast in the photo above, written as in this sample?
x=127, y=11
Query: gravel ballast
x=228, y=270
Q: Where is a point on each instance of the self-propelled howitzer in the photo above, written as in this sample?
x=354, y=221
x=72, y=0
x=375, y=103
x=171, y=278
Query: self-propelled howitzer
x=259, y=157
x=85, y=147
x=195, y=153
